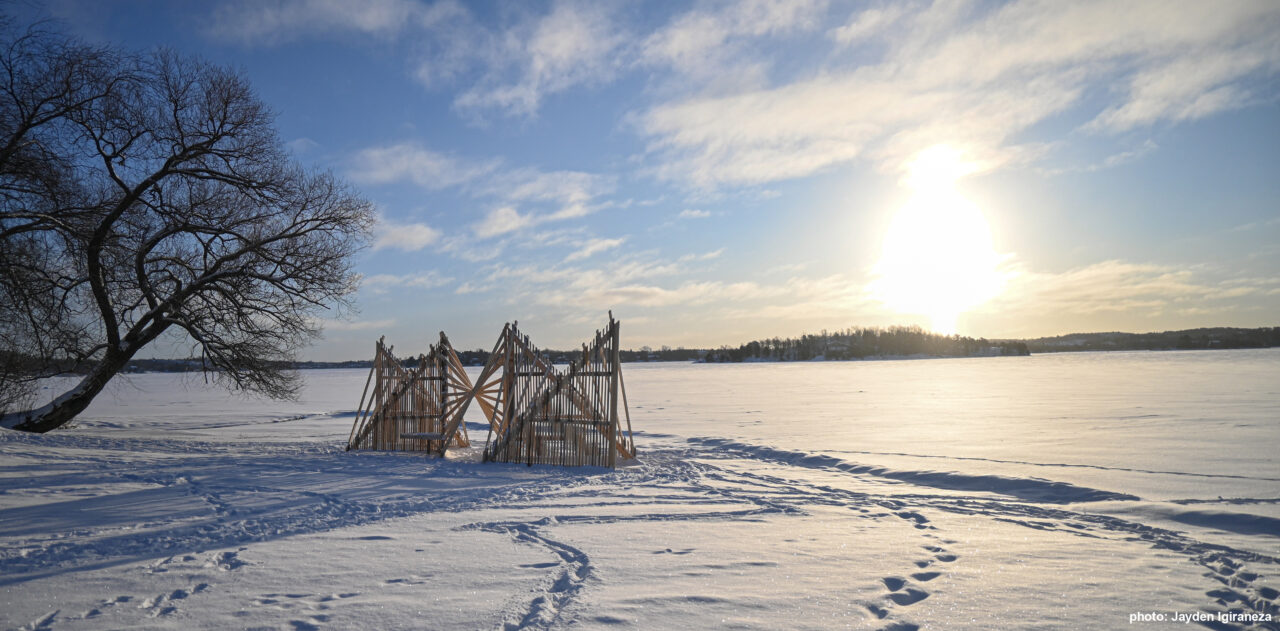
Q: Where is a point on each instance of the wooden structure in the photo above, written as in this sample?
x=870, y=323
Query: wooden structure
x=408, y=408
x=567, y=417
x=537, y=414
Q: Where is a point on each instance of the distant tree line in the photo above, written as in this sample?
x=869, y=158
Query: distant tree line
x=859, y=343
x=1189, y=339
x=851, y=343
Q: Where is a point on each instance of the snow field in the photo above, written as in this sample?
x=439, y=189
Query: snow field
x=742, y=512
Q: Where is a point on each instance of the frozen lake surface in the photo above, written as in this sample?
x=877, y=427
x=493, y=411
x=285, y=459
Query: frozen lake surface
x=1066, y=491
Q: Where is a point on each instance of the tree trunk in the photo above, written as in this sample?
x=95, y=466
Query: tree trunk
x=64, y=408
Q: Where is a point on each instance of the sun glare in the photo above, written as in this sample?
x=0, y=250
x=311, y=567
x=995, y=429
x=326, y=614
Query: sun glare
x=938, y=260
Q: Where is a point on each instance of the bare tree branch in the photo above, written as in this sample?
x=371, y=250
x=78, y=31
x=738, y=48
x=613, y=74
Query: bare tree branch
x=142, y=194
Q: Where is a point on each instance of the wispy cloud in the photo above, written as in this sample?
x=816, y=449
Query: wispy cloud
x=471, y=288
x=549, y=196
x=973, y=78
x=302, y=146
x=264, y=23
x=868, y=23
x=1123, y=291
x=526, y=196
x=357, y=325
x=1113, y=160
x=594, y=246
x=692, y=213
x=571, y=191
x=415, y=163
x=642, y=281
x=710, y=48
x=574, y=44
x=510, y=67
x=501, y=220
x=381, y=283
x=409, y=237
x=704, y=256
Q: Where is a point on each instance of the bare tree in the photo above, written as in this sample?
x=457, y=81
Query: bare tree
x=145, y=195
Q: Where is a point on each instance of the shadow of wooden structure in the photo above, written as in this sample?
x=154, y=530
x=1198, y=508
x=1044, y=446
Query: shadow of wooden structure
x=537, y=413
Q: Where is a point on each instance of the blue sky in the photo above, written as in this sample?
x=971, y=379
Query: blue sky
x=724, y=171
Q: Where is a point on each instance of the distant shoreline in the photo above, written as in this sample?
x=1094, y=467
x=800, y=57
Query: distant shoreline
x=1075, y=343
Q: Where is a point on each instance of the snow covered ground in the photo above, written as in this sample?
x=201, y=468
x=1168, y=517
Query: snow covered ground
x=1081, y=491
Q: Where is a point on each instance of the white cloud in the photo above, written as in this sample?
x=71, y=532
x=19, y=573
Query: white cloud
x=571, y=193
x=471, y=288
x=515, y=67
x=409, y=237
x=716, y=48
x=382, y=283
x=1113, y=160
x=975, y=78
x=358, y=325
x=559, y=195
x=868, y=23
x=528, y=196
x=705, y=256
x=642, y=280
x=414, y=163
x=501, y=220
x=257, y=22
x=302, y=146
x=594, y=246
x=1118, y=291
x=1190, y=87
x=692, y=213
x=574, y=44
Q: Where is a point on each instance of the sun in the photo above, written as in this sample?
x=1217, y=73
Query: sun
x=937, y=259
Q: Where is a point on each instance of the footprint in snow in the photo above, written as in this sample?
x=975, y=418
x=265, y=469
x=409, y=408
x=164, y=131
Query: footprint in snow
x=901, y=626
x=877, y=611
x=44, y=621
x=310, y=624
x=908, y=597
x=225, y=561
x=912, y=516
x=677, y=552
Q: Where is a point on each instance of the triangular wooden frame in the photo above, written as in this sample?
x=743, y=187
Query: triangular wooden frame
x=536, y=413
x=406, y=409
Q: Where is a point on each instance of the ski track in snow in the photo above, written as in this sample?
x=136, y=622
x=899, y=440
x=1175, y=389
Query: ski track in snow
x=243, y=493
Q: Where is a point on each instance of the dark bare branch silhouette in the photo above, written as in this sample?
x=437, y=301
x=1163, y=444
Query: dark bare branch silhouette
x=148, y=195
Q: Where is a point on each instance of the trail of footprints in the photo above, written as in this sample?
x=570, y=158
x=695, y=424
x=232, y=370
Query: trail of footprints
x=906, y=592
x=311, y=608
x=1239, y=589
x=157, y=606
x=166, y=603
